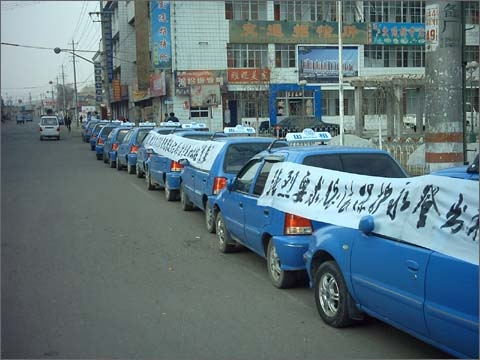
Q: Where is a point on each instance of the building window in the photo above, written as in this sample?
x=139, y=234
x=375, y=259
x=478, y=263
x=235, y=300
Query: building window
x=472, y=13
x=285, y=56
x=472, y=53
x=199, y=112
x=394, y=56
x=395, y=11
x=247, y=56
x=313, y=10
x=246, y=10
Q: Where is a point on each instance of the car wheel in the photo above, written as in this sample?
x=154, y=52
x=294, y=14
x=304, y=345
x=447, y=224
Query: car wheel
x=105, y=160
x=148, y=179
x=138, y=171
x=119, y=166
x=131, y=169
x=209, y=218
x=170, y=195
x=113, y=164
x=184, y=202
x=99, y=156
x=331, y=295
x=225, y=242
x=280, y=278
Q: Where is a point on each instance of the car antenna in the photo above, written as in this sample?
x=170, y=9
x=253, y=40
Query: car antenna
x=269, y=148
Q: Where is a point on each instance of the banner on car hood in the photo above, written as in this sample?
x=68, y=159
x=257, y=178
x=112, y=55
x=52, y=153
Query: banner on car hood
x=200, y=154
x=435, y=212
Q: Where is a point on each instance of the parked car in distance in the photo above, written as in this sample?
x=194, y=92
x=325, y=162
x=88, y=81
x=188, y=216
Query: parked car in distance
x=163, y=172
x=144, y=154
x=112, y=142
x=28, y=117
x=196, y=185
x=95, y=131
x=102, y=137
x=20, y=118
x=87, y=130
x=127, y=150
x=279, y=237
x=49, y=127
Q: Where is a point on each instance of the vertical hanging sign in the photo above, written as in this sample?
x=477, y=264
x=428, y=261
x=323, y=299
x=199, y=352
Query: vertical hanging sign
x=432, y=15
x=161, y=34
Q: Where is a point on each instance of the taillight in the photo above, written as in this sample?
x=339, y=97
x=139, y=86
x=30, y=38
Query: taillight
x=133, y=149
x=41, y=129
x=115, y=146
x=175, y=166
x=58, y=128
x=100, y=141
x=218, y=184
x=297, y=225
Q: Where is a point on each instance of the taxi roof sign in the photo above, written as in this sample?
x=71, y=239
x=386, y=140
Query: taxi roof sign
x=308, y=135
x=127, y=124
x=239, y=129
x=146, y=123
x=170, y=124
x=194, y=125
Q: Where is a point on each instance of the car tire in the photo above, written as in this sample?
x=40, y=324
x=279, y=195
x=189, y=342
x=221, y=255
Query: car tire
x=113, y=164
x=280, y=278
x=170, y=195
x=131, y=169
x=184, y=202
x=119, y=166
x=209, y=218
x=225, y=242
x=148, y=179
x=105, y=160
x=138, y=171
x=331, y=295
x=99, y=156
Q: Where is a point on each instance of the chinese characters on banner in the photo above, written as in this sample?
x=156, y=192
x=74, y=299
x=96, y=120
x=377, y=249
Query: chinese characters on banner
x=434, y=212
x=161, y=34
x=398, y=34
x=200, y=154
x=248, y=76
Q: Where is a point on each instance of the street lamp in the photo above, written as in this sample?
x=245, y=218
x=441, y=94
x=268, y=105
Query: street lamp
x=471, y=67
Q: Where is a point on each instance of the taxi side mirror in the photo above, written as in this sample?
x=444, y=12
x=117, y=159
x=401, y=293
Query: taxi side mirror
x=366, y=224
x=184, y=162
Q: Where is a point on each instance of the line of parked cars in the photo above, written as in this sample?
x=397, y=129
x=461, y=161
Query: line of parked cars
x=354, y=271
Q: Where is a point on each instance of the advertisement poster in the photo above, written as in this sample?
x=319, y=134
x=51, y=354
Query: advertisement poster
x=161, y=34
x=319, y=64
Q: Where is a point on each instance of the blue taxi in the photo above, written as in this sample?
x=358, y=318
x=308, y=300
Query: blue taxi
x=283, y=237
x=419, y=283
x=163, y=172
x=166, y=127
x=469, y=172
x=95, y=131
x=102, y=137
x=87, y=129
x=112, y=142
x=196, y=185
x=127, y=150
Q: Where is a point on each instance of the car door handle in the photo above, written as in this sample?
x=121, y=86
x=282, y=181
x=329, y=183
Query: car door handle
x=240, y=205
x=266, y=212
x=413, y=265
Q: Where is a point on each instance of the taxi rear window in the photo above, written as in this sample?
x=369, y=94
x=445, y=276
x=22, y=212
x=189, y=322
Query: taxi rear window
x=238, y=155
x=363, y=164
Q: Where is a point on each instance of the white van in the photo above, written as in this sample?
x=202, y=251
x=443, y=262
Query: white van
x=49, y=127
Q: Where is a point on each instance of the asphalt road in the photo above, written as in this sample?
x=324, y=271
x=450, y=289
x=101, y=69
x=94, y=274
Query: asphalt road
x=95, y=266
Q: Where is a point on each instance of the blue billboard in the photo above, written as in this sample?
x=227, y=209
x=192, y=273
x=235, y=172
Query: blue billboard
x=161, y=34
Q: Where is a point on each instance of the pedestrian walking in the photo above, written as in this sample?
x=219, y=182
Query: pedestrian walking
x=68, y=123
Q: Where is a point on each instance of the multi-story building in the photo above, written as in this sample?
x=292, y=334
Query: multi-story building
x=231, y=62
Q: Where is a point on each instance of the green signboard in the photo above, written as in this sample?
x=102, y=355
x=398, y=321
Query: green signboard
x=291, y=32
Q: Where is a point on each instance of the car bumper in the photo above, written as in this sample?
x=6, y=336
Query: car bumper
x=99, y=149
x=112, y=155
x=132, y=159
x=290, y=250
x=173, y=181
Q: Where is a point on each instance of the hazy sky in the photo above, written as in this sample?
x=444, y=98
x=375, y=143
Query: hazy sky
x=46, y=24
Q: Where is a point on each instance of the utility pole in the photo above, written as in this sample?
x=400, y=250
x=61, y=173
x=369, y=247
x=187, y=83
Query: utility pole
x=75, y=83
x=63, y=90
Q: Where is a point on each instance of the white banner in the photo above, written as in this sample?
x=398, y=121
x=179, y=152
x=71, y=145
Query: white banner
x=435, y=212
x=200, y=154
